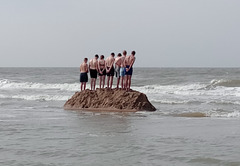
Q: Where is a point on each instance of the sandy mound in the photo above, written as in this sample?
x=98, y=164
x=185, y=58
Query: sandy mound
x=109, y=100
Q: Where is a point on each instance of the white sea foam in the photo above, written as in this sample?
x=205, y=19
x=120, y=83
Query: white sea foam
x=7, y=84
x=234, y=114
x=189, y=90
x=169, y=89
x=37, y=97
x=226, y=83
x=224, y=114
x=164, y=94
x=224, y=102
x=176, y=101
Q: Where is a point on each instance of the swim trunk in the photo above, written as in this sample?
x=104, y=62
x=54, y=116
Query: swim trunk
x=129, y=72
x=122, y=71
x=93, y=73
x=117, y=71
x=103, y=74
x=83, y=77
x=111, y=72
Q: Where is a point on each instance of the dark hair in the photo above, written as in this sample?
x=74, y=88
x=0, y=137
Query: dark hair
x=96, y=56
x=124, y=52
x=113, y=54
x=85, y=59
x=102, y=57
x=119, y=54
x=133, y=52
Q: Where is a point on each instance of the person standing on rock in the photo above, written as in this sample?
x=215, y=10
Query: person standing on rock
x=129, y=61
x=83, y=74
x=118, y=62
x=110, y=70
x=123, y=69
x=93, y=67
x=102, y=71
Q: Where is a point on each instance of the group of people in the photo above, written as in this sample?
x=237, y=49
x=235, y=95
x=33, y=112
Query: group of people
x=121, y=67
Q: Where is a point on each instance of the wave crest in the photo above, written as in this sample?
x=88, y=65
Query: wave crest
x=226, y=83
x=7, y=84
x=37, y=97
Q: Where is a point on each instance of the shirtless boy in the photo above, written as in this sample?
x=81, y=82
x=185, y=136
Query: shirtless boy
x=102, y=71
x=118, y=62
x=123, y=69
x=93, y=67
x=83, y=74
x=110, y=69
x=129, y=61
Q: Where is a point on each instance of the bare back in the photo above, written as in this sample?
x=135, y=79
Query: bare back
x=129, y=60
x=109, y=61
x=84, y=68
x=123, y=61
x=93, y=64
x=118, y=61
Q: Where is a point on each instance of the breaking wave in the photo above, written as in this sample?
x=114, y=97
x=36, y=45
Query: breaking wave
x=37, y=97
x=174, y=102
x=226, y=83
x=7, y=84
x=223, y=114
x=192, y=93
x=189, y=90
x=156, y=88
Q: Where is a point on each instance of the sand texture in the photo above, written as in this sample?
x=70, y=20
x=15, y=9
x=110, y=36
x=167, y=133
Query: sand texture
x=109, y=100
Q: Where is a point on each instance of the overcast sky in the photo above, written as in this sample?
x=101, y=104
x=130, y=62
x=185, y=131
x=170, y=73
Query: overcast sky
x=164, y=33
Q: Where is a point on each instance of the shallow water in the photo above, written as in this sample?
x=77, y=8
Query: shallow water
x=35, y=130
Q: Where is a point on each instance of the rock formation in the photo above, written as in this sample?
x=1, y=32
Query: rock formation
x=109, y=100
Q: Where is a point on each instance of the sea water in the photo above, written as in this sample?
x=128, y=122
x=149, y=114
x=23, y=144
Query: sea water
x=197, y=121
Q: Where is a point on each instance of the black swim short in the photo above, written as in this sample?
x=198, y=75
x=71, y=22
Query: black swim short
x=83, y=77
x=111, y=72
x=130, y=71
x=103, y=74
x=93, y=73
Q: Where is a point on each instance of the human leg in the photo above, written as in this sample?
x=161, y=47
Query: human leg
x=126, y=82
x=122, y=82
x=111, y=81
x=129, y=82
x=100, y=82
x=81, y=86
x=103, y=80
x=94, y=83
x=108, y=78
x=118, y=80
x=91, y=83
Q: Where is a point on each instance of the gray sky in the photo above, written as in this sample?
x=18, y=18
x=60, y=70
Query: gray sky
x=164, y=33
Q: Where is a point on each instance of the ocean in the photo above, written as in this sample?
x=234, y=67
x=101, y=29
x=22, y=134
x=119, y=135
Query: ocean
x=197, y=122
